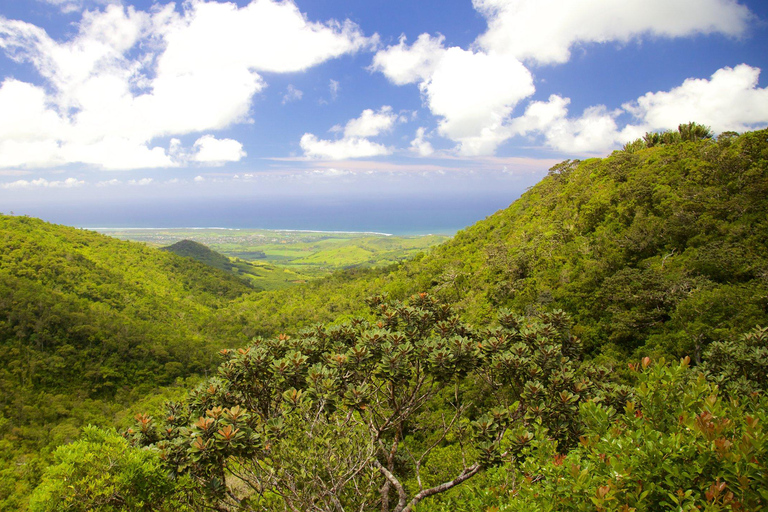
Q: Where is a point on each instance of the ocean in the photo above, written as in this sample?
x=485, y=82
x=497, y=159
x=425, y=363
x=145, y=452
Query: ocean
x=397, y=216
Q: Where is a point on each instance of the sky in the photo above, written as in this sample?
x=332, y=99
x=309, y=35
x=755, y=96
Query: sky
x=205, y=112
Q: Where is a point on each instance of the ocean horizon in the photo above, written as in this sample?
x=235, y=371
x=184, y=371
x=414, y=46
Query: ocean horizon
x=390, y=216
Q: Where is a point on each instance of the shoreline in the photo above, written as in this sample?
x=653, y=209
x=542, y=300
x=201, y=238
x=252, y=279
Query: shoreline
x=337, y=232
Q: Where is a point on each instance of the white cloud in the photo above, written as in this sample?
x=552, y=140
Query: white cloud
x=211, y=150
x=354, y=147
x=292, y=94
x=403, y=64
x=70, y=6
x=595, y=131
x=199, y=179
x=331, y=172
x=729, y=100
x=354, y=143
x=421, y=146
x=116, y=153
x=43, y=183
x=141, y=182
x=109, y=183
x=546, y=30
x=128, y=77
x=474, y=93
x=370, y=123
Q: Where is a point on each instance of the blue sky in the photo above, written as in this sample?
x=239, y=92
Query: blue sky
x=137, y=103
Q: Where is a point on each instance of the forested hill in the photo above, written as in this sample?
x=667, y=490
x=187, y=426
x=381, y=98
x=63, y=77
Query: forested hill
x=89, y=323
x=664, y=247
x=201, y=253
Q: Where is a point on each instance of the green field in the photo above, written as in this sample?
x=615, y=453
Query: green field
x=287, y=257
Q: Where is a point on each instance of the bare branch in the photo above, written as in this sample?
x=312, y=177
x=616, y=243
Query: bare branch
x=396, y=483
x=465, y=475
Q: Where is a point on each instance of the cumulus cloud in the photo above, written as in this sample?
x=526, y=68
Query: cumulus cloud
x=403, y=64
x=43, y=183
x=421, y=146
x=353, y=147
x=109, y=183
x=595, y=131
x=128, y=77
x=140, y=182
x=546, y=30
x=475, y=91
x=331, y=172
x=729, y=100
x=354, y=143
x=211, y=150
x=370, y=123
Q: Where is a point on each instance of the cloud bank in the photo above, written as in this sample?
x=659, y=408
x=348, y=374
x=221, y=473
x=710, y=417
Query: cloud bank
x=475, y=92
x=128, y=78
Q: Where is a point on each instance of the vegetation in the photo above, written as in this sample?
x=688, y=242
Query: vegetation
x=100, y=472
x=262, y=276
x=88, y=325
x=526, y=371
x=679, y=444
x=353, y=416
x=661, y=252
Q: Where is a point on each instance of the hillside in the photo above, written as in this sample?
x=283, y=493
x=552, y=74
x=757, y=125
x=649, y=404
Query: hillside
x=663, y=248
x=90, y=324
x=201, y=253
x=263, y=276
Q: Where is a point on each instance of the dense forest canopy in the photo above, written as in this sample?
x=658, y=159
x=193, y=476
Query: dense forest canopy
x=530, y=363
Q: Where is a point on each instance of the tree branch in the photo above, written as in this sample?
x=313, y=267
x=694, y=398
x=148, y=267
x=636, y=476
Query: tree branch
x=395, y=482
x=465, y=475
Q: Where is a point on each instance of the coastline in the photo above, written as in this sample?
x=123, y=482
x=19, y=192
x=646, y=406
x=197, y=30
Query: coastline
x=336, y=232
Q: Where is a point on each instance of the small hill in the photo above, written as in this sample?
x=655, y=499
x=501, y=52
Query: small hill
x=661, y=249
x=263, y=276
x=201, y=253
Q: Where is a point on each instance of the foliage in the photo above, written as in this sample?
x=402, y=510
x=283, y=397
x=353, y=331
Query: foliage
x=678, y=445
x=685, y=133
x=354, y=415
x=740, y=366
x=88, y=325
x=100, y=472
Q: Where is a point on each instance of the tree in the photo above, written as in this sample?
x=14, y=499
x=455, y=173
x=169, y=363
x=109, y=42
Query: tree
x=359, y=415
x=101, y=472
